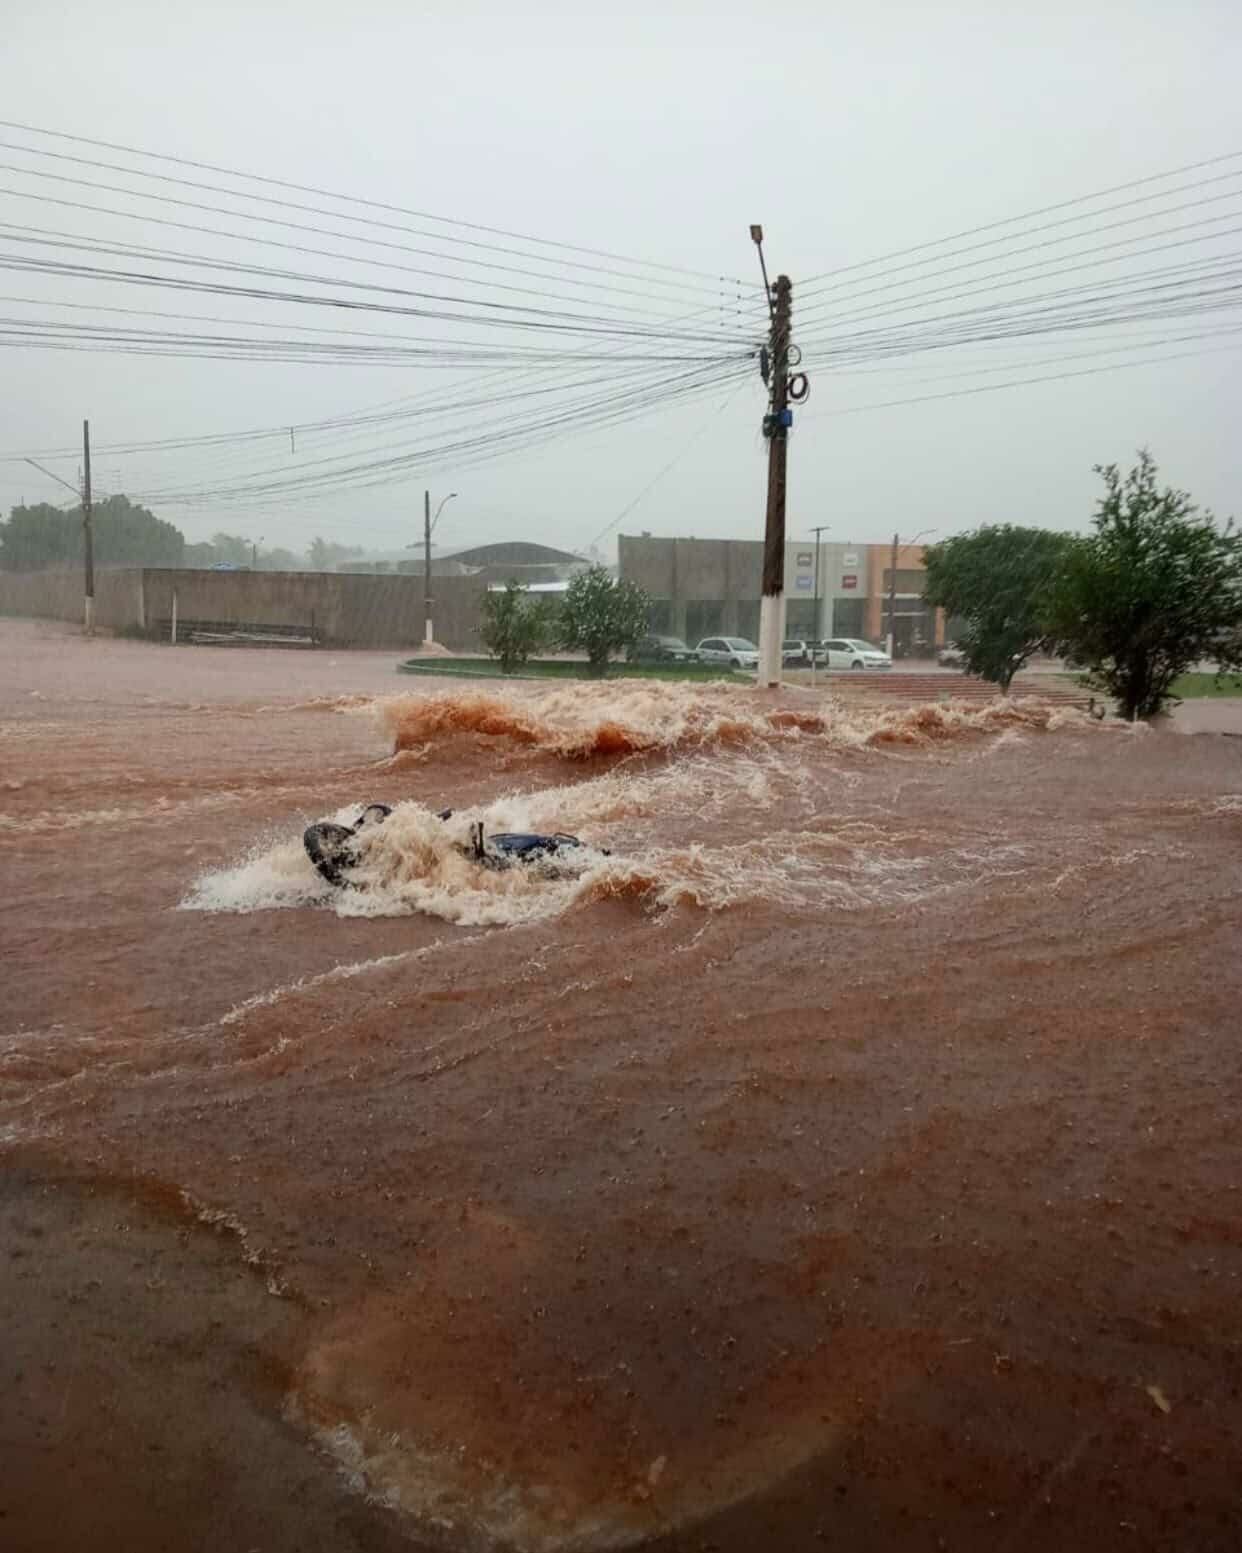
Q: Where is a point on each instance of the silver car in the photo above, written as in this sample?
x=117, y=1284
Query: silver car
x=849, y=652
x=734, y=652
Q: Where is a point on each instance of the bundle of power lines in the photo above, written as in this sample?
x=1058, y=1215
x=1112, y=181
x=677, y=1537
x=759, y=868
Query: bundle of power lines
x=549, y=337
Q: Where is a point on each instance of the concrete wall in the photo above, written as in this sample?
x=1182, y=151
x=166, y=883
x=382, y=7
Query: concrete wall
x=346, y=611
x=58, y=596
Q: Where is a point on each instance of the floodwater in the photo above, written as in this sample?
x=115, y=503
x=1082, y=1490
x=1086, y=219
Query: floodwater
x=847, y=1156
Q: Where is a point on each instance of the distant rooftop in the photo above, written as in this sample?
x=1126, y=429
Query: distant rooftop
x=514, y=552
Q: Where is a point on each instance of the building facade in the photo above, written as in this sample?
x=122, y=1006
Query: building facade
x=917, y=629
x=711, y=587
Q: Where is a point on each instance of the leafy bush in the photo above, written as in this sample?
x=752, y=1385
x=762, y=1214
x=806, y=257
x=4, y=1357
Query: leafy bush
x=515, y=625
x=600, y=616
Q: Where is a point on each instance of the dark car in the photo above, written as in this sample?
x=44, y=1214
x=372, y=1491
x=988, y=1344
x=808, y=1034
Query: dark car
x=661, y=649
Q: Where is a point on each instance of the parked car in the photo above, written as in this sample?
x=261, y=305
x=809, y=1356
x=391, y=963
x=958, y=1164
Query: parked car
x=950, y=657
x=848, y=652
x=734, y=651
x=661, y=649
x=800, y=655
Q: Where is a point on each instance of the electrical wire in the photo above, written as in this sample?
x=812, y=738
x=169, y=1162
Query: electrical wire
x=1029, y=215
x=670, y=465
x=1003, y=281
x=272, y=242
x=1166, y=288
x=605, y=405
x=646, y=264
x=526, y=316
x=1232, y=194
x=460, y=453
x=990, y=388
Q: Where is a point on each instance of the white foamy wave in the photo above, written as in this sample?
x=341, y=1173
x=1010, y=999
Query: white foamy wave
x=268, y=878
x=417, y=863
x=622, y=718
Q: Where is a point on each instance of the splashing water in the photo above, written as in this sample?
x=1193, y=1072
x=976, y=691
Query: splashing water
x=734, y=758
x=600, y=720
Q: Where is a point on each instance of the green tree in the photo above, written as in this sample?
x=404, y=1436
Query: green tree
x=1155, y=590
x=38, y=538
x=515, y=625
x=126, y=534
x=999, y=580
x=600, y=616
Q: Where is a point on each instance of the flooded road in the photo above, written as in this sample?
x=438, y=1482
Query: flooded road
x=848, y=1157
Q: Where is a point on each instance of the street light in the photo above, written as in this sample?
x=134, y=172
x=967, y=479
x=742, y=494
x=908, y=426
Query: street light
x=892, y=582
x=440, y=509
x=816, y=623
x=429, y=524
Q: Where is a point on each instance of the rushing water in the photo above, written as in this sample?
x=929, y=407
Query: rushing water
x=842, y=1157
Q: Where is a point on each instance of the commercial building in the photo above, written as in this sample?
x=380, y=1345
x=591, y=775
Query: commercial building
x=711, y=587
x=916, y=627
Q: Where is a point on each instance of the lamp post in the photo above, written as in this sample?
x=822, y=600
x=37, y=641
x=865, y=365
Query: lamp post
x=892, y=582
x=818, y=531
x=429, y=524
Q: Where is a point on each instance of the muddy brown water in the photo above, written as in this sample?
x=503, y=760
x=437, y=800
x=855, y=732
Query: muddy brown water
x=849, y=1159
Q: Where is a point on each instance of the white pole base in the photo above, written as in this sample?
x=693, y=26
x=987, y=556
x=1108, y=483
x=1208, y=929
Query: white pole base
x=771, y=636
x=88, y=614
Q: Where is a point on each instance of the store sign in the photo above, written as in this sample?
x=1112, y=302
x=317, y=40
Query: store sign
x=850, y=562
x=805, y=558
x=849, y=582
x=804, y=583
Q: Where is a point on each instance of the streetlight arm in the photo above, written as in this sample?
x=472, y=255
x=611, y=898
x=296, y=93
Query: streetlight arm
x=440, y=509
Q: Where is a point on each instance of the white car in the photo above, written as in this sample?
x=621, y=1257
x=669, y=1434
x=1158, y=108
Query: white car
x=847, y=652
x=734, y=652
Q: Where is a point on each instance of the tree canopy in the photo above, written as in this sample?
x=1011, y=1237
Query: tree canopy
x=600, y=616
x=999, y=580
x=42, y=537
x=1156, y=589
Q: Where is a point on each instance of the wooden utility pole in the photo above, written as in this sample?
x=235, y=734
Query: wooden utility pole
x=427, y=631
x=892, y=597
x=776, y=425
x=88, y=531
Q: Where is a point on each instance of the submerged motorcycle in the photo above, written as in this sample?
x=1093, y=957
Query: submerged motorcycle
x=335, y=850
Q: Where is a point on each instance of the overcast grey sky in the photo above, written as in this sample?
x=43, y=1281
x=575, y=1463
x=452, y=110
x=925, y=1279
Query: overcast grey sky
x=849, y=131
